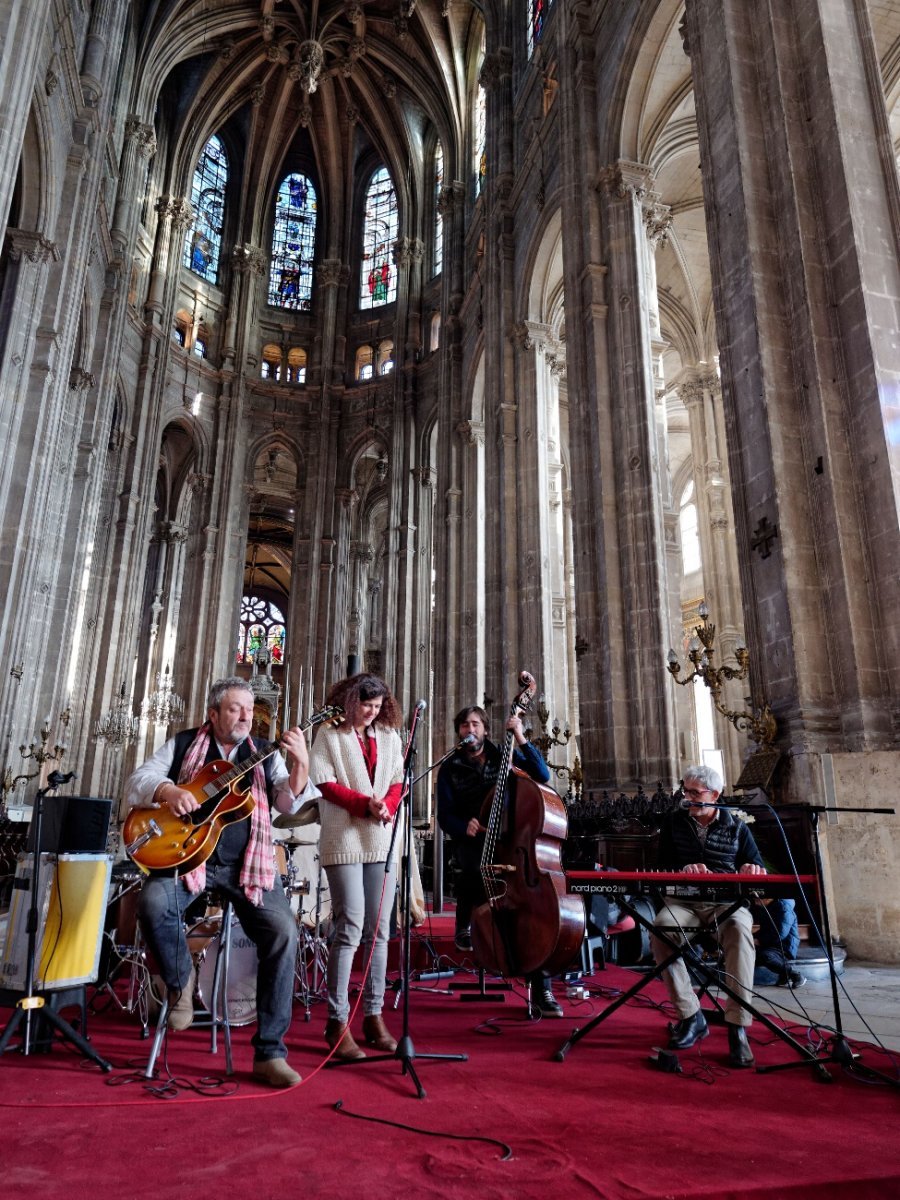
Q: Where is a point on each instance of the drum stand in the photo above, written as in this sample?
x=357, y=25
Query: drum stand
x=133, y=956
x=312, y=958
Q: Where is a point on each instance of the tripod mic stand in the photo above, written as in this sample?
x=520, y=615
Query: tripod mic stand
x=841, y=1052
x=406, y=1051
x=31, y=1001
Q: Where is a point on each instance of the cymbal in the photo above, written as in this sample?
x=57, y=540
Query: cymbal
x=293, y=841
x=308, y=815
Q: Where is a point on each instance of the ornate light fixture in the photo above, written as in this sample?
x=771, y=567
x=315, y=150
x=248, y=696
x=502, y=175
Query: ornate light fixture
x=556, y=736
x=119, y=726
x=164, y=706
x=759, y=725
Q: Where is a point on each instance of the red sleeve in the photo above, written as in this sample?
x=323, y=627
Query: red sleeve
x=354, y=802
x=392, y=796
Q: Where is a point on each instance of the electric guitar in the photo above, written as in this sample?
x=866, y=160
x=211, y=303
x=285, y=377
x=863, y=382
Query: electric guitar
x=157, y=840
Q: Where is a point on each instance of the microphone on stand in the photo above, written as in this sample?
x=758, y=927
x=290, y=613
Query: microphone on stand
x=421, y=705
x=469, y=740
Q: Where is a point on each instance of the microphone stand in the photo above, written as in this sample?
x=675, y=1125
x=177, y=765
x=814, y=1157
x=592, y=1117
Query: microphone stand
x=406, y=1051
x=841, y=1052
x=31, y=1001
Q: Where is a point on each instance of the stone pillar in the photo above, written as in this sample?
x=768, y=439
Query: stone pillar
x=803, y=217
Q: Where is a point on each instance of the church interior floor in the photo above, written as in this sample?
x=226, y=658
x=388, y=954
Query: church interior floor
x=868, y=996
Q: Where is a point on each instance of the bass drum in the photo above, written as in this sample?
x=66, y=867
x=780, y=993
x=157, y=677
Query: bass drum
x=242, y=964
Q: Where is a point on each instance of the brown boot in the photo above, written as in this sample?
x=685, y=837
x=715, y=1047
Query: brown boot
x=377, y=1034
x=337, y=1034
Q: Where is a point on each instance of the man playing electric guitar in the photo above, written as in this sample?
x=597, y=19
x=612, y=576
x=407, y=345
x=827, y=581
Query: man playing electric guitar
x=241, y=866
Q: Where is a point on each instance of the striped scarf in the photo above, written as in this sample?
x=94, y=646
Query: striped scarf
x=258, y=868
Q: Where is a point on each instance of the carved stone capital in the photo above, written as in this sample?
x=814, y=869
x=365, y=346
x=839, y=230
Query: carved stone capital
x=199, y=482
x=25, y=243
x=624, y=179
x=690, y=393
x=658, y=223
x=143, y=136
x=330, y=272
x=173, y=533
x=520, y=336
x=496, y=67
x=408, y=250
x=249, y=259
x=424, y=476
x=471, y=432
x=80, y=380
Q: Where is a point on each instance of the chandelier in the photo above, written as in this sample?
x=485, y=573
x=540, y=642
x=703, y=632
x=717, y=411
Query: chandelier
x=163, y=706
x=119, y=726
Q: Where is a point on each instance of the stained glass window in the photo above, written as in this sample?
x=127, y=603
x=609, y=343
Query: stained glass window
x=438, y=219
x=480, y=139
x=378, y=283
x=261, y=624
x=537, y=12
x=204, y=239
x=293, y=244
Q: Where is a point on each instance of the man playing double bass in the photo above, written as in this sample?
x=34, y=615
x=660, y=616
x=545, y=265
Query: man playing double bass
x=464, y=782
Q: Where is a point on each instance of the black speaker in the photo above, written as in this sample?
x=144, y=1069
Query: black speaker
x=73, y=825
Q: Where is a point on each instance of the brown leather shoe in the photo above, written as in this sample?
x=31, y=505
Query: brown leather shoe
x=181, y=1004
x=337, y=1034
x=378, y=1035
x=275, y=1072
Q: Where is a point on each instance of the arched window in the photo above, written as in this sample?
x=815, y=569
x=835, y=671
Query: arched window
x=270, y=364
x=261, y=624
x=204, y=239
x=378, y=282
x=296, y=365
x=435, y=340
x=537, y=11
x=480, y=139
x=385, y=357
x=438, y=257
x=293, y=244
x=690, y=536
x=365, y=367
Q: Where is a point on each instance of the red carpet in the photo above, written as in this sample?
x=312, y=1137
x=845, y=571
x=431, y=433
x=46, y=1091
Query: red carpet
x=600, y=1124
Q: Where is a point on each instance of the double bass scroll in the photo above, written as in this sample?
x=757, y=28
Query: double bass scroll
x=529, y=922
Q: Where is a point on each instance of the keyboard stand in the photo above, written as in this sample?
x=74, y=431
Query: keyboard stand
x=708, y=977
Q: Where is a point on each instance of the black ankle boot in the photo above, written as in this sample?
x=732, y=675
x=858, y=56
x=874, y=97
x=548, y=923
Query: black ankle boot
x=687, y=1031
x=739, y=1052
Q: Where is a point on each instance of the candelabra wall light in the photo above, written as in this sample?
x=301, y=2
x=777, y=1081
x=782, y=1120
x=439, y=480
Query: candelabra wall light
x=759, y=725
x=119, y=726
x=39, y=751
x=557, y=735
x=163, y=706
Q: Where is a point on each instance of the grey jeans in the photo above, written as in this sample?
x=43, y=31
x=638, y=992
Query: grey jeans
x=355, y=896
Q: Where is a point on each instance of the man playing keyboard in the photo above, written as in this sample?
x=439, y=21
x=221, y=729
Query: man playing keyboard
x=700, y=839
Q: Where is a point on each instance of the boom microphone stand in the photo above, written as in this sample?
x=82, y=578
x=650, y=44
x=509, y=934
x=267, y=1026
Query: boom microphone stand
x=406, y=1051
x=31, y=1001
x=841, y=1052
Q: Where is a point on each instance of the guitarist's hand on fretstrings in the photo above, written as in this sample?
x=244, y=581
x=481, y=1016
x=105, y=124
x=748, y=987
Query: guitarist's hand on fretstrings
x=178, y=801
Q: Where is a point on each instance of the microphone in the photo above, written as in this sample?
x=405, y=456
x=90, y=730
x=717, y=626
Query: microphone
x=469, y=740
x=421, y=705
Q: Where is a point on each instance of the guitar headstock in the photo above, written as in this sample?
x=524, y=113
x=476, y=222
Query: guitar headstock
x=329, y=714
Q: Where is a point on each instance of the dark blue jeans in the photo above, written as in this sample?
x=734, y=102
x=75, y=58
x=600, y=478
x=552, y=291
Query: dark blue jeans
x=778, y=941
x=272, y=927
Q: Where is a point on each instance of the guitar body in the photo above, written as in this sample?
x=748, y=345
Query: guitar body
x=186, y=842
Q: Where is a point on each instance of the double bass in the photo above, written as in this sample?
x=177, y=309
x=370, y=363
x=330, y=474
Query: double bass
x=529, y=922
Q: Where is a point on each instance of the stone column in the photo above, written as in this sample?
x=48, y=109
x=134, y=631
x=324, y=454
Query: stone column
x=803, y=216
x=639, y=604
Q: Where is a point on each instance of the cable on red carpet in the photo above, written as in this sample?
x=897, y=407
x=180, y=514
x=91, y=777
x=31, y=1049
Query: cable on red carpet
x=436, y=1133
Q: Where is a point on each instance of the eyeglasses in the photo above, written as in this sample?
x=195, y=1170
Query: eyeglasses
x=695, y=792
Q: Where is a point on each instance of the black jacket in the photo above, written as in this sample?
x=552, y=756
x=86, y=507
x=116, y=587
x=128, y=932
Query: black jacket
x=729, y=843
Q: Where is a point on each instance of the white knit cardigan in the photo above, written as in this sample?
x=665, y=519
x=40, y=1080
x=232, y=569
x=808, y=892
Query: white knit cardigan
x=337, y=757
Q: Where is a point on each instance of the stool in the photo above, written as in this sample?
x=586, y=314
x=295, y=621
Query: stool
x=607, y=944
x=218, y=1015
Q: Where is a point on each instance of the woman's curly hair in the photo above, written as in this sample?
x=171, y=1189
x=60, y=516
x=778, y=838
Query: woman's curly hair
x=350, y=693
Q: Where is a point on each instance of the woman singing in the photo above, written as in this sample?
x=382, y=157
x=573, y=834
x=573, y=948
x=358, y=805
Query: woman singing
x=358, y=768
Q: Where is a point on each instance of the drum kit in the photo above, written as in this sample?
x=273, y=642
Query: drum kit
x=304, y=882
